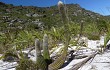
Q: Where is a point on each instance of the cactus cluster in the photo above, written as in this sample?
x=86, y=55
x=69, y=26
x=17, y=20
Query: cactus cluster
x=40, y=63
x=41, y=59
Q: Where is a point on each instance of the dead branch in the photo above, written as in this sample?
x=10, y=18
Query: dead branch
x=78, y=65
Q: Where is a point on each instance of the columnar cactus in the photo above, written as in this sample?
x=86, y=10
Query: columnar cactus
x=62, y=10
x=40, y=61
x=60, y=61
x=45, y=47
x=37, y=48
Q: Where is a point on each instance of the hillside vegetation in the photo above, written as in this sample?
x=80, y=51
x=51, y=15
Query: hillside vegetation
x=20, y=25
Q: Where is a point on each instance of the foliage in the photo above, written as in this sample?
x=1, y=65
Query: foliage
x=26, y=64
x=107, y=37
x=91, y=31
x=102, y=26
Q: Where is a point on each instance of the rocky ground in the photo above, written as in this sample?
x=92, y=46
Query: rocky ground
x=101, y=61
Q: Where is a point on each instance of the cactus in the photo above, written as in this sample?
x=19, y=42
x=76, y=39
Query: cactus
x=62, y=10
x=60, y=61
x=45, y=47
x=42, y=65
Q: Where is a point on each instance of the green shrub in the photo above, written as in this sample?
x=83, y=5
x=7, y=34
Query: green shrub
x=91, y=31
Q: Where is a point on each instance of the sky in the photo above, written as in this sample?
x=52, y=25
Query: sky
x=98, y=6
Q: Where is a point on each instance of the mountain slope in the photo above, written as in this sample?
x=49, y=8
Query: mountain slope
x=48, y=16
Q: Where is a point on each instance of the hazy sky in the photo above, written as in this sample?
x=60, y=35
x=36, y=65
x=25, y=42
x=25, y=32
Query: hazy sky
x=99, y=6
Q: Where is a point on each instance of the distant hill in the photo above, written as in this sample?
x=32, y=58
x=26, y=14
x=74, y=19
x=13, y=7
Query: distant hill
x=48, y=16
